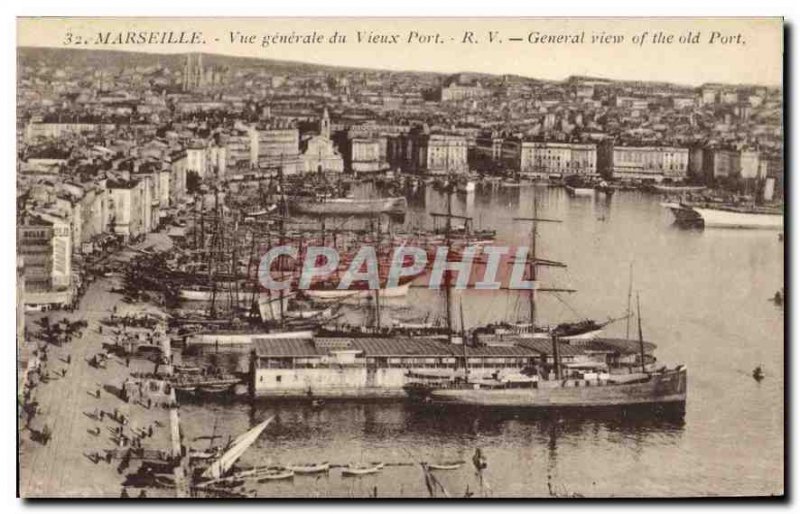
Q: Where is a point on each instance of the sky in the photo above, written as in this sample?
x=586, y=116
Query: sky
x=701, y=50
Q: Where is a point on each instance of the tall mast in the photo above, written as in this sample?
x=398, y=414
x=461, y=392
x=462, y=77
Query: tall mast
x=533, y=261
x=463, y=337
x=378, y=291
x=641, y=339
x=282, y=228
x=630, y=291
x=532, y=267
x=448, y=299
x=253, y=300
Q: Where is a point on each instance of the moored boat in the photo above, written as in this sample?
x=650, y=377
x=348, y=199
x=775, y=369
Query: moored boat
x=673, y=189
x=310, y=469
x=739, y=217
x=362, y=469
x=683, y=214
x=466, y=187
x=581, y=373
x=350, y=206
x=357, y=294
x=577, y=185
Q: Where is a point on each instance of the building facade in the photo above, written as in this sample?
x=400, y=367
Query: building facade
x=551, y=159
x=650, y=163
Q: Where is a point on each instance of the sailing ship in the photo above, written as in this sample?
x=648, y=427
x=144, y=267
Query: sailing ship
x=552, y=383
x=578, y=186
x=675, y=189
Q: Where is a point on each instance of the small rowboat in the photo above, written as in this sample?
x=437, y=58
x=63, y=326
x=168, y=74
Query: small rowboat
x=275, y=474
x=231, y=482
x=214, y=389
x=362, y=469
x=310, y=469
x=445, y=466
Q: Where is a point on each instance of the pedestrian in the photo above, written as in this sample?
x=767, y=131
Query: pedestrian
x=102, y=414
x=64, y=372
x=98, y=394
x=124, y=493
x=150, y=431
x=142, y=494
x=69, y=359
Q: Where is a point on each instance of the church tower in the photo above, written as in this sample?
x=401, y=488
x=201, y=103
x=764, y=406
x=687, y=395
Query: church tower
x=325, y=125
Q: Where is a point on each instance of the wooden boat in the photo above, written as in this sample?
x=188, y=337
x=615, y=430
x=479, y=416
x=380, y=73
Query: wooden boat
x=445, y=466
x=466, y=187
x=577, y=185
x=236, y=449
x=310, y=469
x=350, y=206
x=579, y=191
x=214, y=389
x=275, y=474
x=362, y=469
x=727, y=216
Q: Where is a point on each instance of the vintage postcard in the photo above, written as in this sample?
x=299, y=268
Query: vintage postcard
x=400, y=257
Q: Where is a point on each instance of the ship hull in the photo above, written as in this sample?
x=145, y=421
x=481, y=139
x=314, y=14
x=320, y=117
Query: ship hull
x=579, y=191
x=340, y=294
x=683, y=214
x=732, y=219
x=677, y=189
x=396, y=205
x=668, y=387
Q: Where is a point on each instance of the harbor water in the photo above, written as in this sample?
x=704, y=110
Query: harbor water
x=705, y=301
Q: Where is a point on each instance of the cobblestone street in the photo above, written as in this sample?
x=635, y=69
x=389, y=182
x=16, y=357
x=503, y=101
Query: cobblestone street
x=63, y=467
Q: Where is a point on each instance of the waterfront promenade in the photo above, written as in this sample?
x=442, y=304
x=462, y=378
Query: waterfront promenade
x=63, y=467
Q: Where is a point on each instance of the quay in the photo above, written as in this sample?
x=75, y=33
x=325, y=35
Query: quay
x=64, y=465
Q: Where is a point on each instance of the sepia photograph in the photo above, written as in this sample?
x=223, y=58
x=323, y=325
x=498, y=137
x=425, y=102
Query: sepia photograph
x=400, y=258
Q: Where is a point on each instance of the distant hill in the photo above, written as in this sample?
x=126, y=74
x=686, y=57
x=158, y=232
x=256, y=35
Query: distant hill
x=55, y=57
x=27, y=56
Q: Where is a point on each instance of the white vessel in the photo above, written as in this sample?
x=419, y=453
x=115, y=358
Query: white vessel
x=466, y=187
x=580, y=191
x=206, y=295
